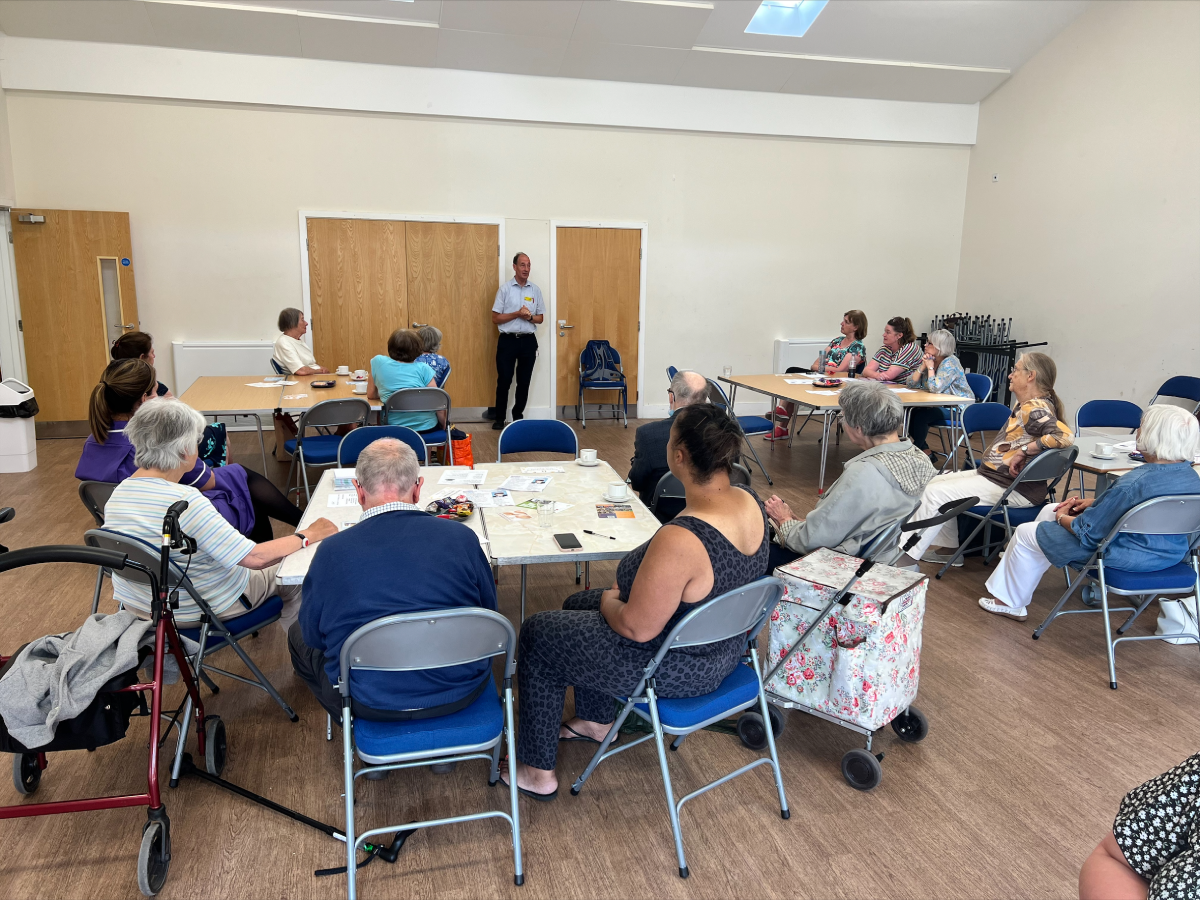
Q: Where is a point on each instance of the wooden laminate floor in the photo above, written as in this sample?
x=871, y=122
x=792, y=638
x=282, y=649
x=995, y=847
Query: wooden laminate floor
x=1028, y=755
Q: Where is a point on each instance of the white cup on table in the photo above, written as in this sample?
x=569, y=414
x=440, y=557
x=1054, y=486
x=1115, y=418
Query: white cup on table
x=587, y=456
x=359, y=388
x=618, y=490
x=360, y=373
x=1104, y=450
x=343, y=370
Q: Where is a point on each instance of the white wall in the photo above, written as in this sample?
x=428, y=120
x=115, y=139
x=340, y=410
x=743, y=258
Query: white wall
x=1091, y=237
x=751, y=238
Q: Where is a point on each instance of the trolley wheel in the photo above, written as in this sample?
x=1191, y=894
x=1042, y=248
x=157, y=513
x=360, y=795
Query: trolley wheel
x=1089, y=596
x=154, y=859
x=27, y=774
x=215, y=745
x=911, y=725
x=861, y=770
x=752, y=730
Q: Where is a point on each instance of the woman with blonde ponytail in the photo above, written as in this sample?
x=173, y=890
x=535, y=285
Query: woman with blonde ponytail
x=1035, y=425
x=245, y=499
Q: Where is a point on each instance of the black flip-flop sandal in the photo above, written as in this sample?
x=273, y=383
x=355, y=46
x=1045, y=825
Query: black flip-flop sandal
x=578, y=736
x=541, y=798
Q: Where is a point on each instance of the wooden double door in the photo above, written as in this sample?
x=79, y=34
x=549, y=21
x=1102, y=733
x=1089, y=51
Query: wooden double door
x=75, y=284
x=369, y=277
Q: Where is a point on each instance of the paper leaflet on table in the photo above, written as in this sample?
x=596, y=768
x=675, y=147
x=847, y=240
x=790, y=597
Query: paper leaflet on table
x=798, y=381
x=526, y=482
x=542, y=470
x=269, y=383
x=342, y=499
x=487, y=499
x=292, y=396
x=558, y=505
x=463, y=476
x=614, y=511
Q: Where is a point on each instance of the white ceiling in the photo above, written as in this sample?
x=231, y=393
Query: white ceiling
x=948, y=51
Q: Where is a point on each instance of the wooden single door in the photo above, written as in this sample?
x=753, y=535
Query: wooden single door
x=358, y=291
x=75, y=282
x=453, y=277
x=598, y=293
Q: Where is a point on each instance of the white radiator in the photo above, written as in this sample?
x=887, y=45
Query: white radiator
x=196, y=358
x=795, y=352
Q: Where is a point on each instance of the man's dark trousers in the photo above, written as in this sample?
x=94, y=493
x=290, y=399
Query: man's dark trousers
x=518, y=350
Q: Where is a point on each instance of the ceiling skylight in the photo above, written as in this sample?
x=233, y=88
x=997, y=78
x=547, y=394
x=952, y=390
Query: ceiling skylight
x=789, y=18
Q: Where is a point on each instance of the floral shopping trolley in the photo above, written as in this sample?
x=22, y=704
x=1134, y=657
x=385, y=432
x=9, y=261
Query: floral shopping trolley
x=845, y=646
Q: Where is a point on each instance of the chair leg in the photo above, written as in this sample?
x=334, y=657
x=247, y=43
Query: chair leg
x=304, y=472
x=578, y=572
x=754, y=453
x=182, y=725
x=613, y=731
x=328, y=727
x=519, y=871
x=261, y=678
x=348, y=780
x=96, y=594
x=1108, y=638
x=762, y=704
x=582, y=407
x=666, y=774
x=1137, y=612
x=1062, y=601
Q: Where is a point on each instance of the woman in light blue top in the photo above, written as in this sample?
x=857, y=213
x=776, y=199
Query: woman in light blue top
x=940, y=373
x=399, y=370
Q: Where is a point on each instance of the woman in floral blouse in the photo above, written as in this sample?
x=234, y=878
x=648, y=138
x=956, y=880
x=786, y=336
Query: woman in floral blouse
x=1153, y=850
x=940, y=373
x=844, y=354
x=1035, y=425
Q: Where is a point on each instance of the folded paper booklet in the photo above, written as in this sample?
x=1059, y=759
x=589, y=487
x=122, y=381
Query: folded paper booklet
x=798, y=381
x=342, y=499
x=463, y=476
x=343, y=484
x=526, y=482
x=485, y=499
x=614, y=511
x=542, y=470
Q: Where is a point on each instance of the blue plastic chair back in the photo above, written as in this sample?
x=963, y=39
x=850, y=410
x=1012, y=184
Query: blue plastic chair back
x=985, y=417
x=981, y=386
x=1108, y=414
x=357, y=440
x=1185, y=387
x=279, y=370
x=538, y=435
x=671, y=373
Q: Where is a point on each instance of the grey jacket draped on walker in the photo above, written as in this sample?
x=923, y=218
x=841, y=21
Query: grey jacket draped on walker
x=876, y=488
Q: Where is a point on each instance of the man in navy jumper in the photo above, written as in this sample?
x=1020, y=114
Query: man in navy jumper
x=396, y=559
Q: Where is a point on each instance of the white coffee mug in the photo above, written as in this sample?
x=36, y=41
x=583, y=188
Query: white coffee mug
x=1104, y=449
x=343, y=370
x=617, y=490
x=588, y=456
x=360, y=388
x=360, y=373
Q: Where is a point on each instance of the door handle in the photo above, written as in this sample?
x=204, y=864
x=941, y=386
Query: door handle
x=562, y=323
x=131, y=325
x=420, y=325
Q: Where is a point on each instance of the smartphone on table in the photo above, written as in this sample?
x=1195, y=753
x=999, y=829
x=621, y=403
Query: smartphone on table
x=567, y=542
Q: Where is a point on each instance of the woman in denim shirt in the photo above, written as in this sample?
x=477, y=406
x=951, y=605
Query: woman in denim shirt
x=940, y=373
x=1069, y=533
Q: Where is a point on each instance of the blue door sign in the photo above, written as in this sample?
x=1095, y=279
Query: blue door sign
x=125, y=260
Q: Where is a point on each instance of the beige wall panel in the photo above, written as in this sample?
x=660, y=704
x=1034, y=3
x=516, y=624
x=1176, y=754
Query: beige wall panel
x=452, y=283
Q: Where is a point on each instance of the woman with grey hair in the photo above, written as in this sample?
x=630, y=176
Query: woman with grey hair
x=231, y=572
x=940, y=373
x=292, y=354
x=1069, y=532
x=878, y=487
x=431, y=341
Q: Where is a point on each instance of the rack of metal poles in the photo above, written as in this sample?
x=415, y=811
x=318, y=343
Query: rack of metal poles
x=985, y=345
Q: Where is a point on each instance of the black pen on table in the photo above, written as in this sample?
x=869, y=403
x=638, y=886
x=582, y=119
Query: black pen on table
x=598, y=534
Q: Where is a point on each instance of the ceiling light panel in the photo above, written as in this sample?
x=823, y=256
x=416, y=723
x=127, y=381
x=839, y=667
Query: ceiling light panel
x=786, y=18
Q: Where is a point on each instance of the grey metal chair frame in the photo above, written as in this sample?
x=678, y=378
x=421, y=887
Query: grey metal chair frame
x=424, y=399
x=1175, y=514
x=429, y=640
x=1049, y=465
x=94, y=495
x=619, y=386
x=326, y=414
x=715, y=392
x=142, y=552
x=743, y=611
x=671, y=488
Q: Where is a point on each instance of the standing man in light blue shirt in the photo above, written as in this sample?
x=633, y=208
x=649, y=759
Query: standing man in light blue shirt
x=517, y=311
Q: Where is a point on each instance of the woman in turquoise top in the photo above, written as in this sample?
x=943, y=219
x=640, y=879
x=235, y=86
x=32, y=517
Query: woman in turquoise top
x=844, y=354
x=940, y=373
x=399, y=370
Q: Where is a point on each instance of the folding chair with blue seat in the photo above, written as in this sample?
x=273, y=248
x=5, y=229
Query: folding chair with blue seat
x=600, y=370
x=671, y=373
x=94, y=495
x=357, y=440
x=322, y=449
x=749, y=425
x=210, y=635
x=740, y=612
x=1176, y=514
x=1106, y=414
x=445, y=378
x=537, y=436
x=1182, y=388
x=981, y=386
x=1050, y=466
x=978, y=418
x=424, y=399
x=952, y=416
x=429, y=640
x=279, y=370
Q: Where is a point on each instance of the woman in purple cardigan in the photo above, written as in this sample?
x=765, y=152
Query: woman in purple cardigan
x=245, y=499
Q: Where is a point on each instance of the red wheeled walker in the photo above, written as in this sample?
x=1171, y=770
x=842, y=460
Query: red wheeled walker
x=123, y=697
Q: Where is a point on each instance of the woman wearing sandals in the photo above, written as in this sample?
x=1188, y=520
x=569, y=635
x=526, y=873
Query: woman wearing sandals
x=601, y=640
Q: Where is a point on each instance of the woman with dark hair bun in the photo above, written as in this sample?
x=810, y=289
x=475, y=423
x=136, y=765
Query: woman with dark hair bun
x=601, y=640
x=900, y=355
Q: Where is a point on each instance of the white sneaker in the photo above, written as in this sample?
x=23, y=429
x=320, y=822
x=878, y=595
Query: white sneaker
x=931, y=556
x=1002, y=609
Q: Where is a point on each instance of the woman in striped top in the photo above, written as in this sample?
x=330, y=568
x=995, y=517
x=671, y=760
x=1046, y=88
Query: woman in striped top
x=900, y=355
